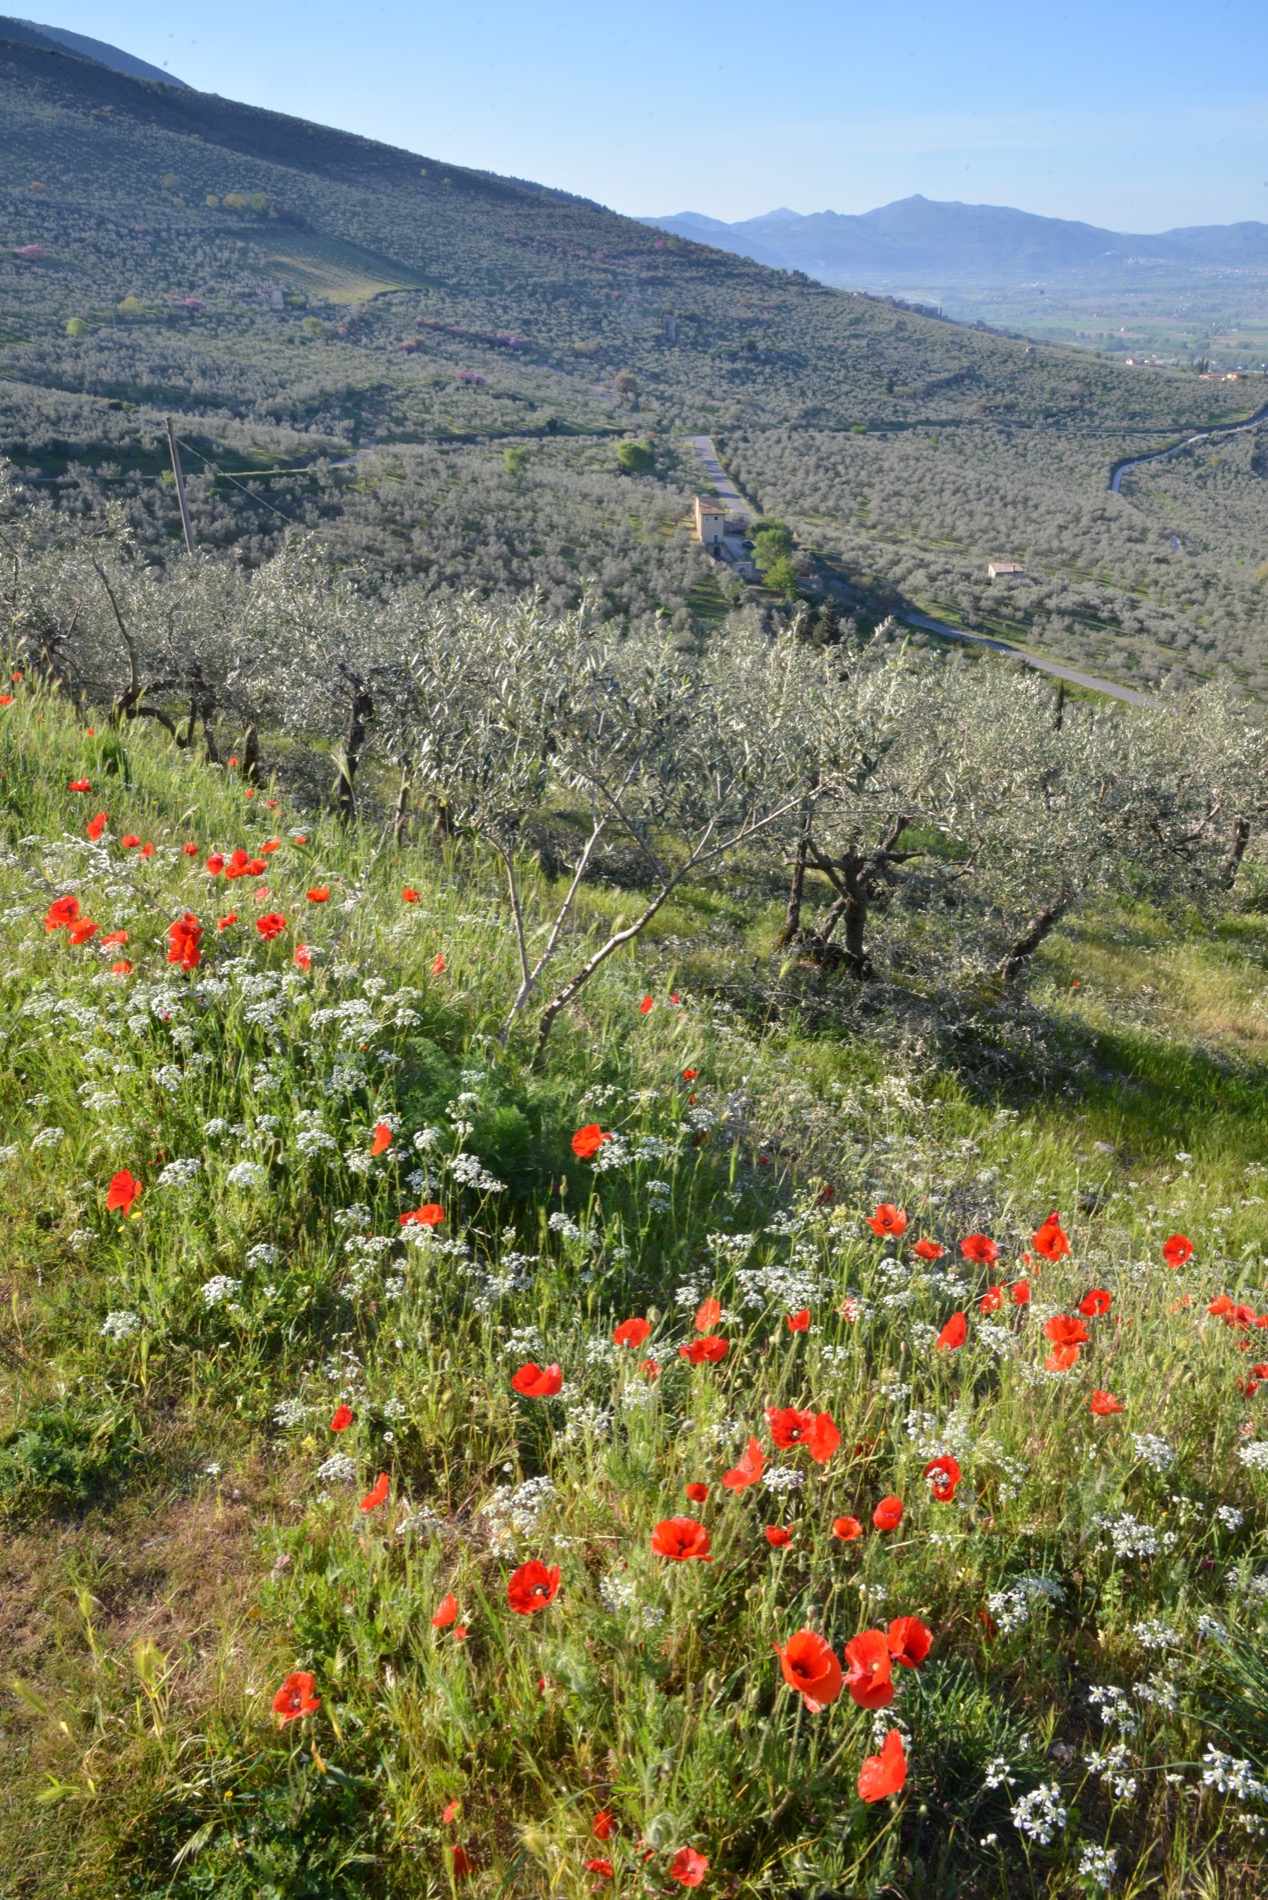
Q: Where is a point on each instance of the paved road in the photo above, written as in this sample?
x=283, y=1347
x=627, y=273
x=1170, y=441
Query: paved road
x=1203, y=435
x=726, y=488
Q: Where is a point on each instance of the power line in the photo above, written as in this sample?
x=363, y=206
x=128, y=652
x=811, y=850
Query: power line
x=225, y=476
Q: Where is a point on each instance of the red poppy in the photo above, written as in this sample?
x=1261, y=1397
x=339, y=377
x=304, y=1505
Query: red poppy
x=303, y=957
x=409, y=896
x=909, y=1640
x=696, y=1491
x=238, y=865
x=6, y=699
x=1051, y=1240
x=603, y=1868
x=870, y=1676
x=888, y=1514
x=116, y=936
x=847, y=1529
x=689, y=1075
x=82, y=931
x=537, y=1382
x=710, y=1349
x=810, y=1666
x=320, y=894
x=991, y=1300
x=215, y=864
x=1104, y=1403
x=1064, y=1330
x=147, y=850
x=886, y=1773
x=446, y=1613
x=532, y=1587
x=928, y=1250
x=603, y=1825
x=777, y=1536
x=79, y=785
x=129, y=841
x=687, y=1867
x=463, y=1865
x=429, y=1215
x=680, y=1539
x=953, y=1334
x=888, y=1220
x=382, y=1138
x=61, y=912
x=1095, y=1304
x=648, y=1003
x=980, y=1249
x=372, y=1499
x=271, y=925
x=1061, y=1358
x=438, y=964
x=943, y=1475
x=183, y=939
x=798, y=1322
x=271, y=844
x=587, y=1141
x=296, y=1698
x=631, y=1332
x=122, y=968
x=814, y=1430
x=650, y=1368
x=748, y=1470
x=226, y=923
x=96, y=826
x=708, y=1313
x=124, y=1189
x=190, y=850
x=1019, y=1292
x=341, y=1418
x=1177, y=1250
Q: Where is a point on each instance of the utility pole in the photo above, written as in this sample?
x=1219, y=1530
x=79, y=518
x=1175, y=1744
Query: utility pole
x=181, y=503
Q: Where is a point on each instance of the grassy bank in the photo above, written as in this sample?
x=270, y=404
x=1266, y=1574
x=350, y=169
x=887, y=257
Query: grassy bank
x=184, y=1528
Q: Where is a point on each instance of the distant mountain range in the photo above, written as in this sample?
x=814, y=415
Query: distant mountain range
x=57, y=39
x=920, y=242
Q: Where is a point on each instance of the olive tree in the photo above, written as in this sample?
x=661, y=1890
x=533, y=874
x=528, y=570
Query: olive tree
x=686, y=760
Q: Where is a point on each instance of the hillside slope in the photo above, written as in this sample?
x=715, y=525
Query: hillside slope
x=296, y=293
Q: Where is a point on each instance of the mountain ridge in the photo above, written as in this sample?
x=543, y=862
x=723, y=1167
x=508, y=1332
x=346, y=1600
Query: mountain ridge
x=918, y=240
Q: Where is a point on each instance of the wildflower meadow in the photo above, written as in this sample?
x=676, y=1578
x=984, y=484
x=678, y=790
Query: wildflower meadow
x=716, y=1449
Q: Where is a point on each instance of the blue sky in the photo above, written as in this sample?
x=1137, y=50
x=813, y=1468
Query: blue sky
x=1138, y=116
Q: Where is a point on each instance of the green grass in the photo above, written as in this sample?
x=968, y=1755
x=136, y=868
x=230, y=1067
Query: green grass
x=172, y=1551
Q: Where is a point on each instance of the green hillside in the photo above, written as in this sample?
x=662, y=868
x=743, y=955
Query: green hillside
x=285, y=287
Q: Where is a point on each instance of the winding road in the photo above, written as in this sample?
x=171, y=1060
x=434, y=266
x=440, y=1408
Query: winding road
x=1203, y=435
x=730, y=494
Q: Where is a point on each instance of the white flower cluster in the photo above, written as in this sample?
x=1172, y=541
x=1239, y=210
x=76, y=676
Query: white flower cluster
x=783, y=1478
x=1040, y=1814
x=1111, y=1765
x=1013, y=1606
x=219, y=1289
x=1152, y=1633
x=471, y=1172
x=512, y=1511
x=586, y=1421
x=1115, y=1709
x=619, y=1597
x=180, y=1173
x=246, y=1174
x=1096, y=1865
x=1229, y=1776
x=48, y=1138
x=1254, y=1454
x=1153, y=1451
x=1130, y=1537
x=290, y=1412
x=339, y=1468
x=121, y=1325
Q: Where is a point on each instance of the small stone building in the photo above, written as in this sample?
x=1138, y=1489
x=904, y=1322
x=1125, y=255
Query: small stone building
x=710, y=522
